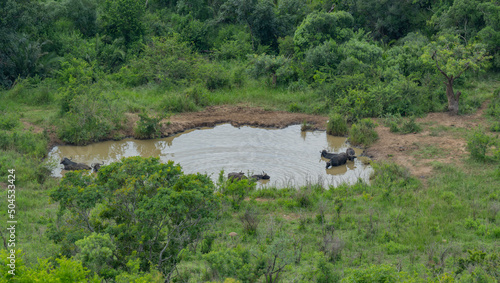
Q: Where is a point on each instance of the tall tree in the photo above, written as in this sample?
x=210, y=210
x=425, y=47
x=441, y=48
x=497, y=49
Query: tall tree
x=452, y=59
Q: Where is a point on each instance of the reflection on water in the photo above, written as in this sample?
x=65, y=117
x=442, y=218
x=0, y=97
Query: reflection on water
x=289, y=156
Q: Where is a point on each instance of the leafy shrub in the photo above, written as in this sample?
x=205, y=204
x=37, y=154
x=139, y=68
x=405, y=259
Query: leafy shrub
x=375, y=273
x=250, y=220
x=477, y=144
x=363, y=133
x=230, y=262
x=8, y=120
x=410, y=126
x=493, y=109
x=337, y=125
x=294, y=107
x=90, y=118
x=148, y=127
x=236, y=191
x=216, y=78
x=179, y=103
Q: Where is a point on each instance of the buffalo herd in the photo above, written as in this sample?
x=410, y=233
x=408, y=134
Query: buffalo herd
x=335, y=159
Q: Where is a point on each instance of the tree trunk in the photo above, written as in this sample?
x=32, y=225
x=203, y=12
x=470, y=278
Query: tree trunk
x=452, y=97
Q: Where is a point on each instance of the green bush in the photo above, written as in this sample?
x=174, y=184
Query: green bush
x=148, y=127
x=179, y=103
x=410, y=126
x=478, y=143
x=375, y=273
x=337, y=125
x=493, y=109
x=91, y=117
x=363, y=133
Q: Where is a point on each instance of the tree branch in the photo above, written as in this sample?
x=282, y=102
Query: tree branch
x=437, y=65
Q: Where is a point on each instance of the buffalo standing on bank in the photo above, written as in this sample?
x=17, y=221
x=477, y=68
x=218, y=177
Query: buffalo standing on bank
x=71, y=165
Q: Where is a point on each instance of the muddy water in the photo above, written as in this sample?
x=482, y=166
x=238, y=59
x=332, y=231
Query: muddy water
x=289, y=156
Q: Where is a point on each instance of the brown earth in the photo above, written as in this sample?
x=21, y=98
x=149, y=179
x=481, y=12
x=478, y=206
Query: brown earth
x=442, y=138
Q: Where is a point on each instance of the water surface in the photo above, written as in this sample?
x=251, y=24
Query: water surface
x=289, y=156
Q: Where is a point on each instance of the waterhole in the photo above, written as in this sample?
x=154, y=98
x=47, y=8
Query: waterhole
x=291, y=157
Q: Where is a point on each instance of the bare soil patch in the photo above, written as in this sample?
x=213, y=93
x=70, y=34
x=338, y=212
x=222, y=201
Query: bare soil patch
x=442, y=139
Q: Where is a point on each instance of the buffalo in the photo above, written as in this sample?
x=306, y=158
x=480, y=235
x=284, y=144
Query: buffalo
x=70, y=165
x=350, y=154
x=337, y=160
x=234, y=176
x=327, y=155
x=262, y=176
x=96, y=166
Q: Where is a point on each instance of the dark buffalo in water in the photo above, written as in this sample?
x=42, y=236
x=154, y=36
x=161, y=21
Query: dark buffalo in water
x=234, y=176
x=350, y=154
x=262, y=176
x=327, y=154
x=70, y=165
x=96, y=166
x=337, y=160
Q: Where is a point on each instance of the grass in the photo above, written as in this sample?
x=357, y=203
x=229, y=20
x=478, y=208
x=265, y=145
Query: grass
x=395, y=221
x=429, y=151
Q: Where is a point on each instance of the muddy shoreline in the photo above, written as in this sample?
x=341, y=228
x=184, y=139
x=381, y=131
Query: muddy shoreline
x=212, y=116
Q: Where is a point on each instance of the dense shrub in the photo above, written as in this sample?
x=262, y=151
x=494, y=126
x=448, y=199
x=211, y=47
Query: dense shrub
x=91, y=117
x=478, y=144
x=363, y=133
x=337, y=125
x=148, y=127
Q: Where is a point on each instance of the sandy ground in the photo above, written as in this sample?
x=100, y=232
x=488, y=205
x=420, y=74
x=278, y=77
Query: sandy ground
x=448, y=146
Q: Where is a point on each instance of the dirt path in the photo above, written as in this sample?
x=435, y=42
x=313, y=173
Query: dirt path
x=442, y=139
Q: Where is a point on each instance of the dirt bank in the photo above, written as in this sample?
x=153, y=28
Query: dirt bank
x=442, y=138
x=235, y=115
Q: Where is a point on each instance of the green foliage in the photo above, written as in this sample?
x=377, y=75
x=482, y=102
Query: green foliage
x=319, y=27
x=452, y=59
x=33, y=91
x=96, y=252
x=123, y=18
x=236, y=191
x=277, y=67
x=133, y=274
x=250, y=220
x=144, y=205
x=408, y=125
x=363, y=133
x=148, y=127
x=230, y=262
x=164, y=60
x=336, y=125
x=478, y=144
x=493, y=109
x=83, y=13
x=90, y=117
x=375, y=273
x=27, y=143
x=65, y=270
x=390, y=175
